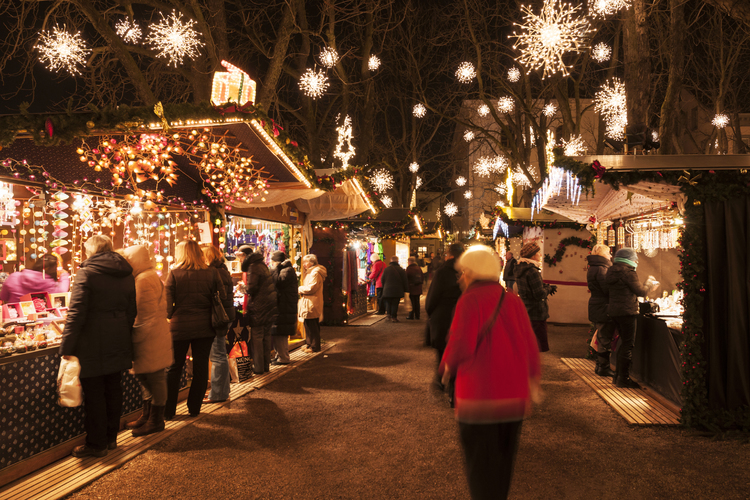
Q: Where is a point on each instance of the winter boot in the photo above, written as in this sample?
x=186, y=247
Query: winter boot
x=155, y=422
x=143, y=418
x=623, y=375
x=602, y=365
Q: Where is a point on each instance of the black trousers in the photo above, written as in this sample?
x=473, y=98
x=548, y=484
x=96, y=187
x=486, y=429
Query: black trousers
x=381, y=304
x=391, y=305
x=102, y=403
x=201, y=349
x=626, y=326
x=312, y=334
x=414, y=305
x=490, y=452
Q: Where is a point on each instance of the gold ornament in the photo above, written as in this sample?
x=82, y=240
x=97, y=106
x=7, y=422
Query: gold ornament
x=159, y=111
x=90, y=124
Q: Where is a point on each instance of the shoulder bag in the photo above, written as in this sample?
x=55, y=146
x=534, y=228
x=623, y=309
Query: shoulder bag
x=219, y=319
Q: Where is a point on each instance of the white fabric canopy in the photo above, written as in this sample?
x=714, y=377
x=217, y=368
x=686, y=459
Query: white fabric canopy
x=280, y=193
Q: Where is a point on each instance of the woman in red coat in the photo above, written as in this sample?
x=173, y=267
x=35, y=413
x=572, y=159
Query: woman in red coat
x=493, y=353
x=376, y=275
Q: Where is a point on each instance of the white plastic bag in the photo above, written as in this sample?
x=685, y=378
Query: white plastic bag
x=69, y=391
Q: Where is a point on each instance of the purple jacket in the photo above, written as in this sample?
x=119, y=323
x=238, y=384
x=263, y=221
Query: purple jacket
x=27, y=281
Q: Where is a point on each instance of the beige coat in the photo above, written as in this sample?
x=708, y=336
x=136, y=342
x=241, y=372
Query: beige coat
x=152, y=342
x=311, y=294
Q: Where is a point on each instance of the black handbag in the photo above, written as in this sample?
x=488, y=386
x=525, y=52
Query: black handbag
x=219, y=318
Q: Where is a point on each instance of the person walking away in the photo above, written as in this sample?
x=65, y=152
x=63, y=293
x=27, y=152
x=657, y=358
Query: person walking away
x=509, y=272
x=599, y=263
x=99, y=332
x=533, y=291
x=285, y=279
x=41, y=277
x=376, y=275
x=190, y=287
x=395, y=285
x=220, y=385
x=415, y=277
x=152, y=343
x=310, y=306
x=260, y=305
x=442, y=298
x=494, y=356
x=624, y=289
x=429, y=270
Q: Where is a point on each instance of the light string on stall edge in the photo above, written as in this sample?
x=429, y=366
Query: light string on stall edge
x=552, y=186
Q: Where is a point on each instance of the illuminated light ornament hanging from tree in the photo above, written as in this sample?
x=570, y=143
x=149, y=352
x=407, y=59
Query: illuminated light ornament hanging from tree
x=549, y=110
x=419, y=110
x=173, y=39
x=611, y=102
x=313, y=84
x=468, y=194
x=519, y=178
x=601, y=53
x=468, y=136
x=386, y=201
x=605, y=8
x=381, y=180
x=419, y=183
x=232, y=85
x=514, y=74
x=500, y=189
x=450, y=209
x=414, y=167
x=505, y=104
x=128, y=30
x=720, y=120
x=466, y=72
x=574, y=147
x=547, y=37
x=461, y=181
x=62, y=50
x=483, y=110
x=487, y=165
x=328, y=57
x=374, y=63
x=345, y=139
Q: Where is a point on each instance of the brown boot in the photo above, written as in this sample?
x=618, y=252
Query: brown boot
x=143, y=418
x=155, y=422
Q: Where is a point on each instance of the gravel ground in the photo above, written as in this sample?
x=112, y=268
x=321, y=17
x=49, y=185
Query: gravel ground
x=360, y=422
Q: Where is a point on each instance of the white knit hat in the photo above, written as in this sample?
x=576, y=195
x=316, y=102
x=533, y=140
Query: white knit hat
x=482, y=262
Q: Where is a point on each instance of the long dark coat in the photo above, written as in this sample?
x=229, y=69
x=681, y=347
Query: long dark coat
x=101, y=314
x=598, y=267
x=190, y=295
x=395, y=283
x=416, y=277
x=440, y=303
x=285, y=278
x=624, y=290
x=532, y=290
x=261, y=291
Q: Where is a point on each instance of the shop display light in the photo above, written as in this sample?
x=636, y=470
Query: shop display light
x=174, y=39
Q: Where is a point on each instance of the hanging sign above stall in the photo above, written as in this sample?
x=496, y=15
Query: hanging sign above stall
x=233, y=85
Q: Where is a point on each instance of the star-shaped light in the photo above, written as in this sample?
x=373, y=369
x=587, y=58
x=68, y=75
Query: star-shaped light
x=461, y=180
x=450, y=209
x=345, y=139
x=466, y=72
x=611, y=102
x=374, y=63
x=419, y=183
x=487, y=165
x=386, y=201
x=601, y=53
x=574, y=147
x=514, y=74
x=173, y=39
x=549, y=110
x=468, y=194
x=605, y=8
x=62, y=50
x=547, y=37
x=720, y=121
x=419, y=110
x=313, y=83
x=468, y=135
x=483, y=110
x=328, y=57
x=381, y=180
x=128, y=30
x=506, y=104
x=414, y=167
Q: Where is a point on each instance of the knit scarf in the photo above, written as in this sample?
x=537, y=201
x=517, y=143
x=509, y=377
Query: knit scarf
x=534, y=263
x=626, y=261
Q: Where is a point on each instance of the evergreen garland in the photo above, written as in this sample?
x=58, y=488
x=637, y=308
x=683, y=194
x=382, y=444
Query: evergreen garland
x=564, y=243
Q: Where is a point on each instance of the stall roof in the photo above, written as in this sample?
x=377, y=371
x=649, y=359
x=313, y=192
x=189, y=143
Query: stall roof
x=625, y=163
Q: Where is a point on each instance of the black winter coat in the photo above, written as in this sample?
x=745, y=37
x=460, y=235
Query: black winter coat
x=532, y=290
x=285, y=278
x=598, y=267
x=624, y=290
x=440, y=303
x=190, y=295
x=395, y=283
x=261, y=291
x=226, y=280
x=101, y=314
x=415, y=277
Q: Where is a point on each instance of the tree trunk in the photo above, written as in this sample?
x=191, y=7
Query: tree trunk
x=668, y=126
x=271, y=80
x=637, y=64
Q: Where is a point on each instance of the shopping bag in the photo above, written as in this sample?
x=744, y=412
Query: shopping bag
x=69, y=390
x=593, y=342
x=239, y=349
x=239, y=354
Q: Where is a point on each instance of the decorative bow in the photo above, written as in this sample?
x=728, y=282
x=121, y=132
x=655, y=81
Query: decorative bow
x=159, y=111
x=598, y=169
x=688, y=180
x=234, y=108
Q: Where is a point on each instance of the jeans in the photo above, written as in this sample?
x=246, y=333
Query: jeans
x=509, y=285
x=312, y=334
x=490, y=452
x=414, y=305
x=201, y=348
x=261, y=337
x=154, y=386
x=219, y=370
x=102, y=404
x=381, y=304
x=391, y=306
x=281, y=346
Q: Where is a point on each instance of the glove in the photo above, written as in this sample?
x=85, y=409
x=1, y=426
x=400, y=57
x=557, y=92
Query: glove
x=552, y=289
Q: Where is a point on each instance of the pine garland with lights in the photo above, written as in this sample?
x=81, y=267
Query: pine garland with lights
x=564, y=243
x=498, y=212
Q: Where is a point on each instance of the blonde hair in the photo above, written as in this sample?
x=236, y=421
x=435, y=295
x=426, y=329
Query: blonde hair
x=310, y=258
x=601, y=250
x=98, y=244
x=188, y=255
x=212, y=254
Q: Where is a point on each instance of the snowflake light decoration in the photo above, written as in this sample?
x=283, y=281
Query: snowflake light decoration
x=419, y=110
x=381, y=180
x=604, y=8
x=466, y=72
x=483, y=110
x=414, y=167
x=500, y=188
x=60, y=49
x=505, y=104
x=601, y=53
x=313, y=83
x=468, y=194
x=514, y=74
x=345, y=138
x=549, y=110
x=487, y=165
x=519, y=178
x=611, y=102
x=655, y=135
x=419, y=183
x=386, y=201
x=328, y=57
x=574, y=147
x=461, y=181
x=720, y=121
x=468, y=135
x=547, y=37
x=128, y=30
x=374, y=63
x=173, y=39
x=450, y=209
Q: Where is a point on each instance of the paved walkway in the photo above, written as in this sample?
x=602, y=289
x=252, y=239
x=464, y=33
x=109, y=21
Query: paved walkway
x=360, y=422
